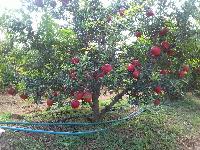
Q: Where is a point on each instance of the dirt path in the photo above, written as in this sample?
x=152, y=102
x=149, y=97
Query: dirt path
x=189, y=143
x=10, y=104
x=16, y=106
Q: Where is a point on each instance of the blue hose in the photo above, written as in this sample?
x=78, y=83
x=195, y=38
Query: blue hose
x=67, y=124
x=74, y=123
x=52, y=132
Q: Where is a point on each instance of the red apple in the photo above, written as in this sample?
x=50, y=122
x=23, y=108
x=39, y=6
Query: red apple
x=75, y=104
x=138, y=34
x=136, y=63
x=78, y=95
x=163, y=31
x=49, y=102
x=165, y=44
x=87, y=97
x=101, y=75
x=98, y=75
x=136, y=74
x=164, y=71
x=75, y=60
x=95, y=75
x=106, y=68
x=156, y=102
x=56, y=93
x=23, y=96
x=170, y=52
x=72, y=74
x=181, y=74
x=155, y=51
x=122, y=12
x=149, y=13
x=158, y=89
x=186, y=68
x=131, y=67
x=72, y=93
x=11, y=91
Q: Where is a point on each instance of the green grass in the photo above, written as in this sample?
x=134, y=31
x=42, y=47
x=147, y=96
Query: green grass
x=157, y=128
x=5, y=116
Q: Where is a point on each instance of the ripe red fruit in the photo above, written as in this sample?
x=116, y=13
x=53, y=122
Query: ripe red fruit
x=75, y=104
x=39, y=3
x=136, y=63
x=156, y=102
x=49, y=102
x=55, y=93
x=72, y=74
x=163, y=31
x=72, y=93
x=158, y=89
x=131, y=67
x=78, y=95
x=75, y=60
x=122, y=12
x=155, y=51
x=149, y=13
x=186, y=68
x=106, y=68
x=170, y=52
x=164, y=71
x=11, y=91
x=136, y=74
x=138, y=34
x=87, y=97
x=97, y=75
x=23, y=96
x=165, y=44
x=101, y=75
x=181, y=74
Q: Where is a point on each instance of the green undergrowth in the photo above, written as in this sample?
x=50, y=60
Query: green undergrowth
x=5, y=116
x=156, y=128
x=67, y=114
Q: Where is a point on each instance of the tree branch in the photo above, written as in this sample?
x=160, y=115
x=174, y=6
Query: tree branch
x=114, y=101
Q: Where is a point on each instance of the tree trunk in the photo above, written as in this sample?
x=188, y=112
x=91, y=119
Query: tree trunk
x=114, y=101
x=37, y=97
x=95, y=97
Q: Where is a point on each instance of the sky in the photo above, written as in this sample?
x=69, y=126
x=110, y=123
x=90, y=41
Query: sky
x=13, y=4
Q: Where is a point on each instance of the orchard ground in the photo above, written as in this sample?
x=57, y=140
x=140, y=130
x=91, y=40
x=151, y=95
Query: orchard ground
x=171, y=126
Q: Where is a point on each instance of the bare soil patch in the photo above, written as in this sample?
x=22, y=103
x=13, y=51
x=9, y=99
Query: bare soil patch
x=17, y=106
